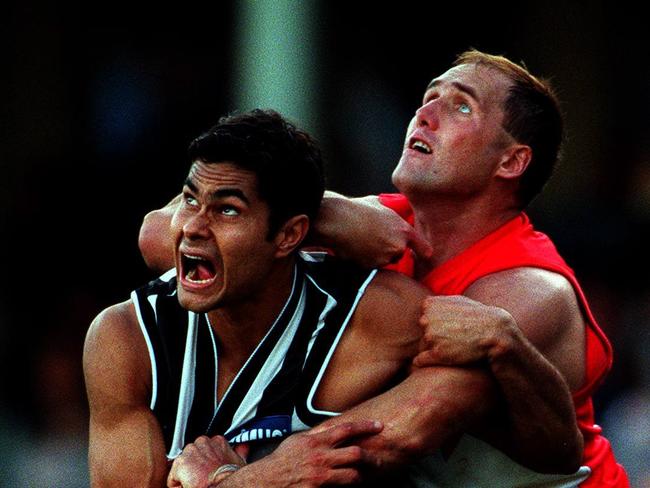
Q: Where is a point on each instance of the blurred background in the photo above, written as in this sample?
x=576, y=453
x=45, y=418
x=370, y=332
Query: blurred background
x=100, y=100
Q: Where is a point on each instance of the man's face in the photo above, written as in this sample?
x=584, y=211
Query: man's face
x=220, y=228
x=455, y=140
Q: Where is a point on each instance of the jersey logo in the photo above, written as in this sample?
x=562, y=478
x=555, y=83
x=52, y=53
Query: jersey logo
x=270, y=427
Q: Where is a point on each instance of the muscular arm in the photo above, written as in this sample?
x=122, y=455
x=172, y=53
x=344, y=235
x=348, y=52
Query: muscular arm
x=364, y=231
x=532, y=354
x=532, y=381
x=126, y=444
x=421, y=411
x=538, y=361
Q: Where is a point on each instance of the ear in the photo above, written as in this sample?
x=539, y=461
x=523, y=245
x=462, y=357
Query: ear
x=514, y=161
x=290, y=235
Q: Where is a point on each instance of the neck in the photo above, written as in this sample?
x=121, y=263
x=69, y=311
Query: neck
x=453, y=225
x=241, y=325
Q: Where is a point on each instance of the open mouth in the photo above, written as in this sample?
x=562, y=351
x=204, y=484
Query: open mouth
x=420, y=146
x=197, y=270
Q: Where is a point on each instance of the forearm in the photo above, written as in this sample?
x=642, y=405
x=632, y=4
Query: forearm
x=125, y=456
x=428, y=408
x=543, y=432
x=364, y=231
x=337, y=221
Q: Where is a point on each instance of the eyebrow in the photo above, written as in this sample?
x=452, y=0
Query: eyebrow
x=460, y=86
x=220, y=193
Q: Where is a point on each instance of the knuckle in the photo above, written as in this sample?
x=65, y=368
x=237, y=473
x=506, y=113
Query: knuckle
x=202, y=440
x=356, y=453
x=189, y=449
x=220, y=440
x=428, y=337
x=346, y=428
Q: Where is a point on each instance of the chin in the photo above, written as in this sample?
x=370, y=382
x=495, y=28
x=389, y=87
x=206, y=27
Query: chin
x=195, y=304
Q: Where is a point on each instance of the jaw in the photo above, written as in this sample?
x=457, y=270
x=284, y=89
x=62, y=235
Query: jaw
x=197, y=302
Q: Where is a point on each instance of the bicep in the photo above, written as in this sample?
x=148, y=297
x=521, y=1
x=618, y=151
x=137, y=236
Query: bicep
x=545, y=308
x=126, y=444
x=126, y=448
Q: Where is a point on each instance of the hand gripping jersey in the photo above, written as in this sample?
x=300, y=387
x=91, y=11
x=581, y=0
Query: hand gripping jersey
x=272, y=394
x=516, y=244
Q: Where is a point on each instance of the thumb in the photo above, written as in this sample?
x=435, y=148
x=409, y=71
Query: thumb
x=420, y=246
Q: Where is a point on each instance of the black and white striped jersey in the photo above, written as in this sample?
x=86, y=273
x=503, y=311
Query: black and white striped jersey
x=272, y=394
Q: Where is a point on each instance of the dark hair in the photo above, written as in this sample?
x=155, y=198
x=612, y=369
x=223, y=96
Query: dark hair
x=286, y=160
x=531, y=115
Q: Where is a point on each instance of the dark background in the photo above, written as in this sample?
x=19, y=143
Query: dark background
x=99, y=101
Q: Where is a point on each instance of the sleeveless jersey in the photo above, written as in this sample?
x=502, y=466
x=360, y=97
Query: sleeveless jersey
x=272, y=394
x=516, y=244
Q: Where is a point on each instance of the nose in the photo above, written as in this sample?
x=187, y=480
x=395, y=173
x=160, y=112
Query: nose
x=427, y=115
x=196, y=226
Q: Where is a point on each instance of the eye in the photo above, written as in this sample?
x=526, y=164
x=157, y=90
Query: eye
x=464, y=108
x=190, y=200
x=228, y=211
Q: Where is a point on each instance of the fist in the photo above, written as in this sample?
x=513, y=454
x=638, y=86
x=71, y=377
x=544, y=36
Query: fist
x=199, y=459
x=458, y=331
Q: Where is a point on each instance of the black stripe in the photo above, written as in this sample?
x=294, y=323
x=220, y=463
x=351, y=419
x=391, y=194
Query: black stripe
x=279, y=397
x=172, y=325
x=233, y=399
x=204, y=384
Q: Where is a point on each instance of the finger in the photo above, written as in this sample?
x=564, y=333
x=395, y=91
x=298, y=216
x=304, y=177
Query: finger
x=351, y=456
x=344, y=476
x=202, y=442
x=345, y=431
x=426, y=358
x=172, y=479
x=420, y=246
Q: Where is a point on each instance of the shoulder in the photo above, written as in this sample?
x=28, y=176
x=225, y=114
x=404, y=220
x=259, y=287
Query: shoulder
x=545, y=308
x=529, y=294
x=396, y=287
x=115, y=325
x=115, y=357
x=391, y=307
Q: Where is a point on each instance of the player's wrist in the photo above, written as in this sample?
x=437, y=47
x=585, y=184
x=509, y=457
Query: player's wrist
x=221, y=473
x=504, y=340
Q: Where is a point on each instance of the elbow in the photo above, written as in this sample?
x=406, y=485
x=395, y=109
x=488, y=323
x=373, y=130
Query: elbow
x=153, y=242
x=567, y=457
x=574, y=452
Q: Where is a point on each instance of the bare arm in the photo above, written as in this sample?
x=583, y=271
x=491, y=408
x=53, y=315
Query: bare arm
x=327, y=456
x=541, y=431
x=419, y=415
x=126, y=444
x=364, y=231
x=421, y=411
x=361, y=228
x=155, y=239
